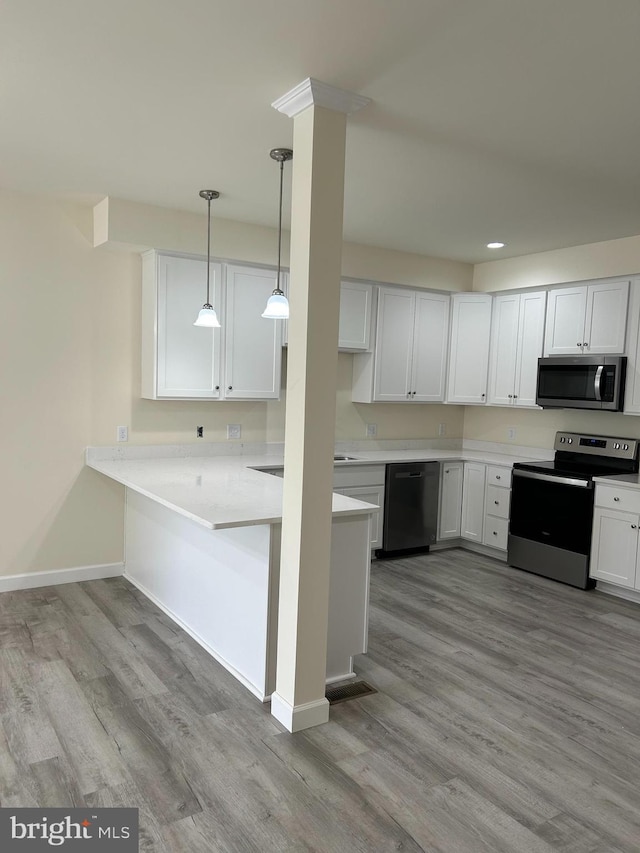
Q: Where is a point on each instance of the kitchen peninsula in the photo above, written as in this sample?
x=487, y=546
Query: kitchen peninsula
x=202, y=540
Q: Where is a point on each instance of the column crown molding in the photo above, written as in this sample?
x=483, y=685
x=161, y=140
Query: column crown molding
x=312, y=92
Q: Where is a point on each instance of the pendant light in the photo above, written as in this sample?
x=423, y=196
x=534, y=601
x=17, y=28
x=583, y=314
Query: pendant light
x=207, y=316
x=278, y=304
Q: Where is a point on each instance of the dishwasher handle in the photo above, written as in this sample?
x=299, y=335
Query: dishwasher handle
x=404, y=474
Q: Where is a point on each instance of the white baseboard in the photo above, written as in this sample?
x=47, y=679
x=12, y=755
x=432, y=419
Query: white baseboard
x=618, y=591
x=32, y=580
x=294, y=719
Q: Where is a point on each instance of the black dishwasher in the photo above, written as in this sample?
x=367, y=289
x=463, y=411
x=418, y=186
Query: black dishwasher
x=410, y=507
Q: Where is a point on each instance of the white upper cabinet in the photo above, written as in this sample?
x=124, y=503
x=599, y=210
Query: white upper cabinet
x=517, y=333
x=469, y=352
x=356, y=304
x=240, y=360
x=409, y=358
x=632, y=390
x=179, y=360
x=253, y=345
x=430, y=339
x=394, y=345
x=587, y=319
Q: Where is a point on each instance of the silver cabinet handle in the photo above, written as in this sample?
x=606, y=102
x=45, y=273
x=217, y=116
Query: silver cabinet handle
x=498, y=477
x=586, y=344
x=634, y=526
x=515, y=396
x=616, y=499
x=495, y=532
x=510, y=396
x=579, y=344
x=497, y=503
x=483, y=395
x=230, y=388
x=217, y=387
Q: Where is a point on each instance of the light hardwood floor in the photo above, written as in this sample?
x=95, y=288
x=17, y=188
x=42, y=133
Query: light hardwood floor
x=507, y=720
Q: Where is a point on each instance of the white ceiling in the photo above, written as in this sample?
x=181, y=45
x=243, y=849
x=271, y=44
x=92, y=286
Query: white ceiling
x=513, y=120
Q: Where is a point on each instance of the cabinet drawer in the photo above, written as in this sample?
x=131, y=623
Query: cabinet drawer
x=498, y=501
x=498, y=476
x=612, y=497
x=495, y=532
x=345, y=476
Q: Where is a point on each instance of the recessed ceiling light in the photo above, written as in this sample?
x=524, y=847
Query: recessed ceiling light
x=495, y=245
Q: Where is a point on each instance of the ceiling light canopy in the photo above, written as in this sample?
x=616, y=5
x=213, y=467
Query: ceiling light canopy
x=207, y=315
x=496, y=245
x=278, y=305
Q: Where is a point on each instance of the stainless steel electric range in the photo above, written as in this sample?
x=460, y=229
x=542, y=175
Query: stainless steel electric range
x=552, y=505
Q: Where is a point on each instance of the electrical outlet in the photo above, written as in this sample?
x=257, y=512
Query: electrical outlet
x=199, y=432
x=234, y=430
x=123, y=433
x=511, y=433
x=372, y=429
x=442, y=428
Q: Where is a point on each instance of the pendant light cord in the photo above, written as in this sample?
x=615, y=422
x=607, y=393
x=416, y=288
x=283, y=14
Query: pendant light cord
x=208, y=245
x=278, y=288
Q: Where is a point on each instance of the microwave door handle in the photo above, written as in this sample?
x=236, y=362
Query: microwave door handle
x=596, y=383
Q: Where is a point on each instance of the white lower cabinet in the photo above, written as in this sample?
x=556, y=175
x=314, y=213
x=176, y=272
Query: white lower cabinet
x=364, y=483
x=450, y=503
x=472, y=525
x=496, y=506
x=372, y=495
x=486, y=496
x=614, y=544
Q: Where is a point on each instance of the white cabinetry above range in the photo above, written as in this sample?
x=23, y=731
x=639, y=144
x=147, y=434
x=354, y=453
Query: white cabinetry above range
x=587, y=320
x=241, y=360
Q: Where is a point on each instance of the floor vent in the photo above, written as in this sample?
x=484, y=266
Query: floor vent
x=354, y=690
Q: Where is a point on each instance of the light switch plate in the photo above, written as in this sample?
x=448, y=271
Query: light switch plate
x=234, y=430
x=511, y=433
x=372, y=430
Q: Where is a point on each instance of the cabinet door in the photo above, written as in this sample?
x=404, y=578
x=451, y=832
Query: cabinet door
x=469, y=351
x=430, y=337
x=614, y=546
x=394, y=344
x=564, y=328
x=606, y=317
x=473, y=501
x=632, y=391
x=504, y=345
x=529, y=349
x=253, y=347
x=188, y=356
x=355, y=316
x=372, y=495
x=450, y=505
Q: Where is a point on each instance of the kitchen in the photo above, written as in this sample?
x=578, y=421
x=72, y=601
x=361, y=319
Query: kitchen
x=74, y=376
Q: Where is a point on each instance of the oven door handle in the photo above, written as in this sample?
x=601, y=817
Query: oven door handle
x=551, y=478
x=596, y=383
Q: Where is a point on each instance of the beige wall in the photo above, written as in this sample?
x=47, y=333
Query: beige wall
x=538, y=428
x=577, y=263
x=70, y=374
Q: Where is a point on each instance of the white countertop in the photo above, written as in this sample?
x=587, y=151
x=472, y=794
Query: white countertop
x=222, y=491
x=626, y=480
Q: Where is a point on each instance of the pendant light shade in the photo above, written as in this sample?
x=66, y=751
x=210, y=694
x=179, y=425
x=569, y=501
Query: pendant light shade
x=278, y=304
x=207, y=316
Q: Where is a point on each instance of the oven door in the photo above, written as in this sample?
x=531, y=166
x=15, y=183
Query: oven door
x=552, y=510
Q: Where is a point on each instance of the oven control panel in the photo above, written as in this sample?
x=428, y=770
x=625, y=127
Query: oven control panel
x=597, y=445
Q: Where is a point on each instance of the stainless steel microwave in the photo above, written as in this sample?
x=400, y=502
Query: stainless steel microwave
x=581, y=382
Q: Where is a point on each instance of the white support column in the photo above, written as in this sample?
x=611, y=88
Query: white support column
x=320, y=117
